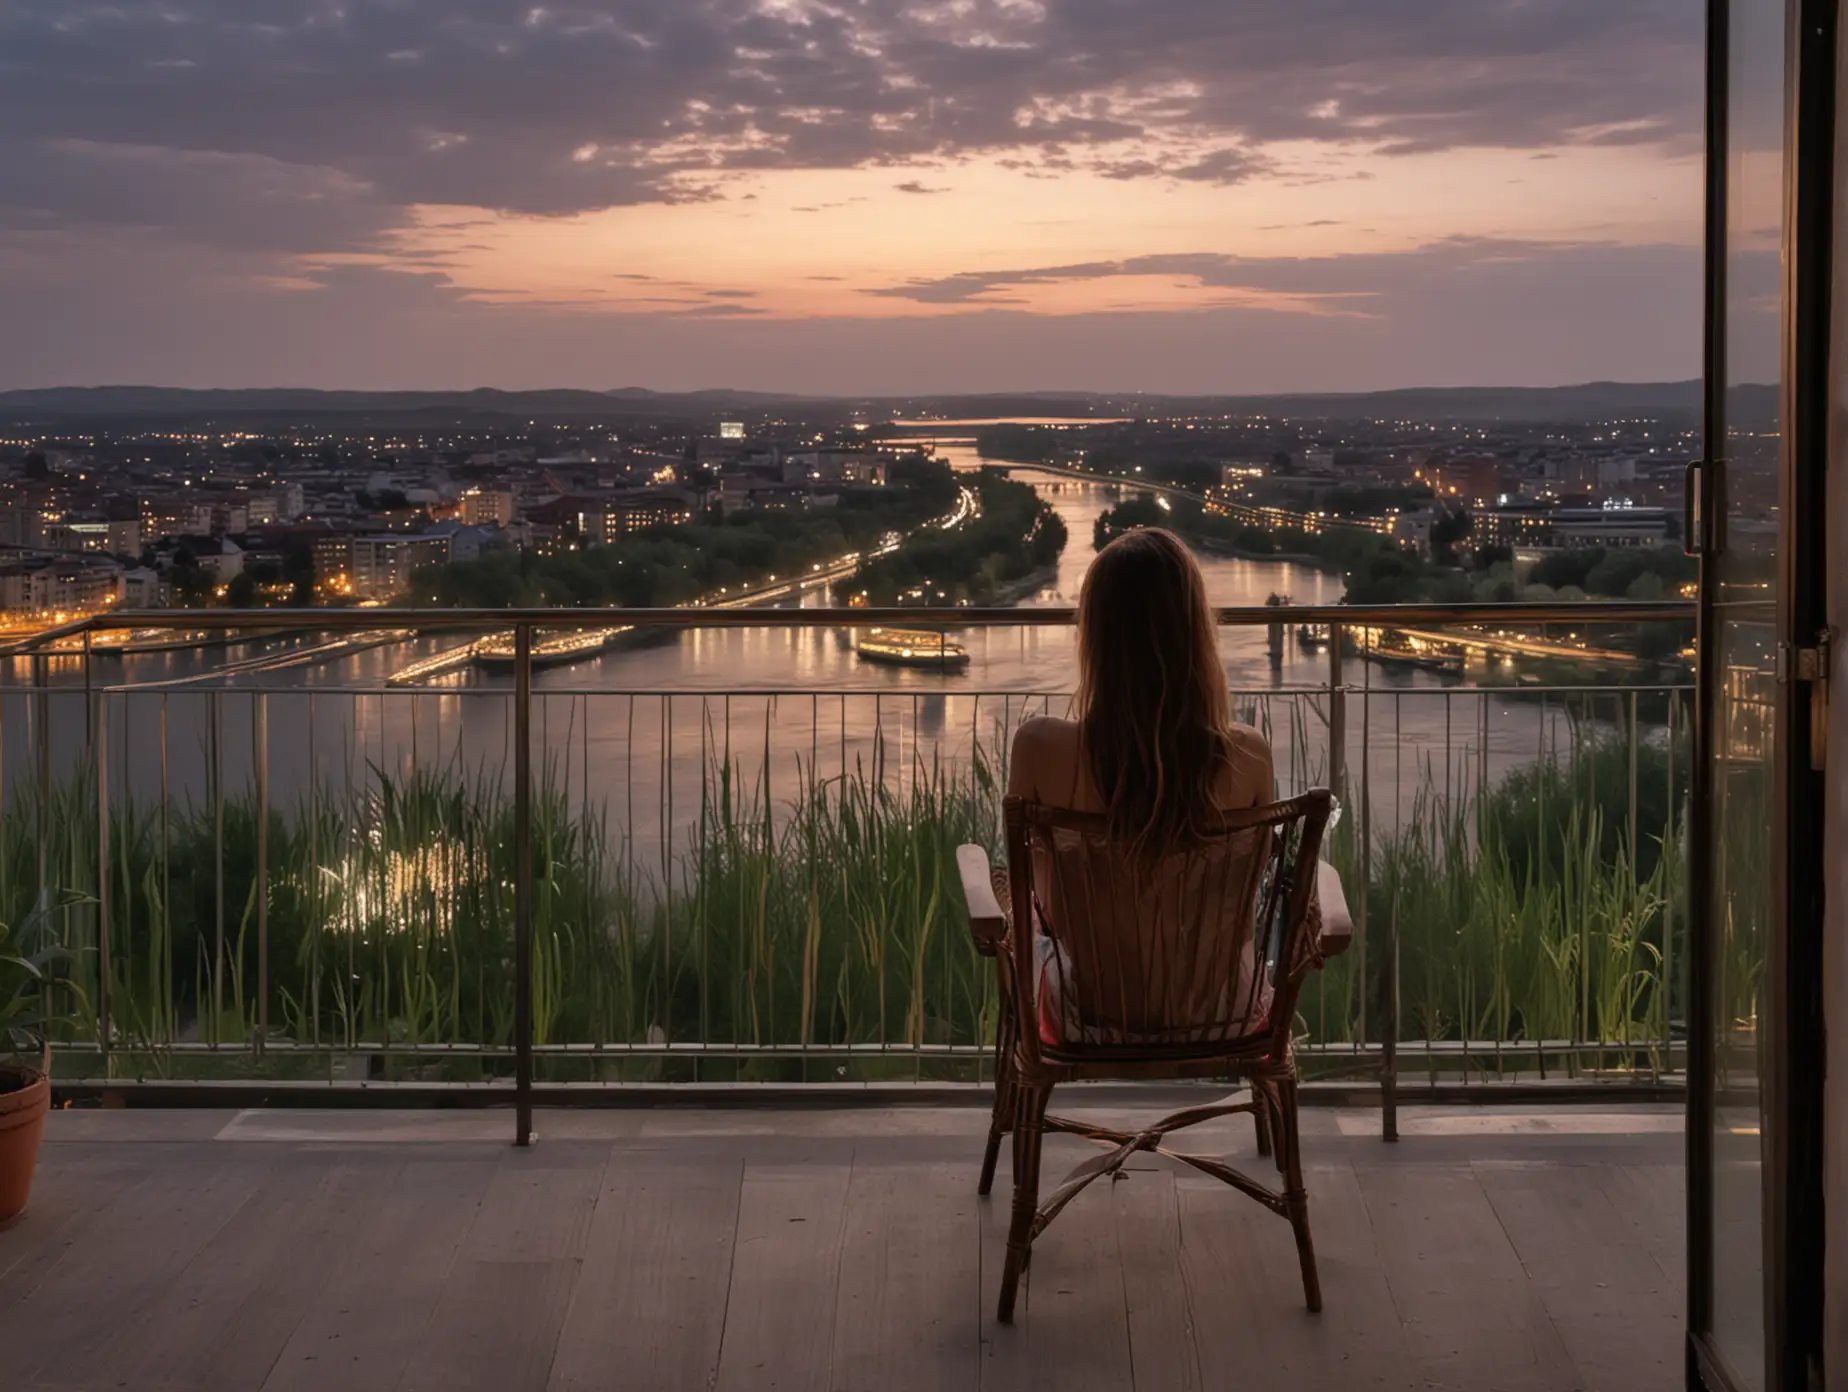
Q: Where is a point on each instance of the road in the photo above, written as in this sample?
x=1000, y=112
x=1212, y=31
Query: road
x=498, y=647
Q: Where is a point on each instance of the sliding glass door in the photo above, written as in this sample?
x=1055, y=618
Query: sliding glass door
x=1754, y=1035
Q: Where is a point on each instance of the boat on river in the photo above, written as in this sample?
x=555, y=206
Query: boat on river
x=911, y=647
x=496, y=654
x=1392, y=647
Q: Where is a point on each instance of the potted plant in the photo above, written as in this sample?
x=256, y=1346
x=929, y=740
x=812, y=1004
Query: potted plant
x=28, y=980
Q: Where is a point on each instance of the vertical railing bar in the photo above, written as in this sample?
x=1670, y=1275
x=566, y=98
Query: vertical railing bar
x=1363, y=946
x=877, y=793
x=917, y=767
x=628, y=787
x=5, y=874
x=318, y=889
x=917, y=759
x=667, y=868
x=349, y=902
x=103, y=964
x=40, y=717
x=216, y=764
x=166, y=884
x=701, y=905
x=1389, y=1027
x=41, y=705
x=260, y=737
x=1337, y=753
x=419, y=875
x=811, y=811
x=1543, y=771
x=600, y=1029
x=1574, y=728
x=1635, y=734
x=523, y=883
x=1669, y=881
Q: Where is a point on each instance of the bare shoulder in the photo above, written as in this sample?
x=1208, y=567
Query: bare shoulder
x=1252, y=779
x=1043, y=757
x=1247, y=739
x=1046, y=732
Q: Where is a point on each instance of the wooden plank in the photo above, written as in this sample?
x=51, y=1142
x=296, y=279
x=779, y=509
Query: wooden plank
x=1651, y=1203
x=497, y=1323
x=779, y=1323
x=495, y=1329
x=538, y=1208
x=906, y=1319
x=1245, y=1283
x=1472, y=1320
x=1079, y=1336
x=359, y=1332
x=222, y=1321
x=1007, y=1358
x=123, y=1260
x=1617, y=1314
x=69, y=1194
x=648, y=1311
x=1161, y=1317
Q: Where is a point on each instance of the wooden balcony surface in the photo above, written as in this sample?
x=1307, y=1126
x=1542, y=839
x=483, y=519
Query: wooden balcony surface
x=830, y=1250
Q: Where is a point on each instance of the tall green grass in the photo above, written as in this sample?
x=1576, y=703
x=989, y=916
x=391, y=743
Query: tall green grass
x=789, y=921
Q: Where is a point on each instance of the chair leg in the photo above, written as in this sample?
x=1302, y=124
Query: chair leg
x=1001, y=1122
x=1290, y=1161
x=1261, y=1117
x=1029, y=1133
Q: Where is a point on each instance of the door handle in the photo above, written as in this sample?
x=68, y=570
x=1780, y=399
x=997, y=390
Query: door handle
x=1703, y=531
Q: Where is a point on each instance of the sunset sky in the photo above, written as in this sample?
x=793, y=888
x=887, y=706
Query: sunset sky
x=854, y=196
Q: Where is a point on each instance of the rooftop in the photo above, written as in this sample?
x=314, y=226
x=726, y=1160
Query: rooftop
x=830, y=1249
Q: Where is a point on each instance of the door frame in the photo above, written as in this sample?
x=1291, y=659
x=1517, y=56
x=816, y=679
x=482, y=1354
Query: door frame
x=1791, y=1094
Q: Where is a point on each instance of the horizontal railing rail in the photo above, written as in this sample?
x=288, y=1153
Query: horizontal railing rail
x=1602, y=1008
x=435, y=620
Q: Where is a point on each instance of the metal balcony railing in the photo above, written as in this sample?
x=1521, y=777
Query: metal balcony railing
x=527, y=882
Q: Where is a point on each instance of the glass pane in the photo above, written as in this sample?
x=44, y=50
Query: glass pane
x=1743, y=579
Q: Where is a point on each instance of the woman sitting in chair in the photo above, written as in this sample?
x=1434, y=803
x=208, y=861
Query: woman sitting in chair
x=1155, y=752
x=1161, y=910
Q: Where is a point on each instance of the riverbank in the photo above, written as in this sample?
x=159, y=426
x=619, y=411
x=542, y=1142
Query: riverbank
x=1013, y=535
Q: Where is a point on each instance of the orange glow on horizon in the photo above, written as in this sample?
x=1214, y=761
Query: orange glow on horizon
x=817, y=244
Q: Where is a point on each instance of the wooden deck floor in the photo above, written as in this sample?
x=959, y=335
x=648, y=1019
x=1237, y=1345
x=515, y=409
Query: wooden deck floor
x=840, y=1251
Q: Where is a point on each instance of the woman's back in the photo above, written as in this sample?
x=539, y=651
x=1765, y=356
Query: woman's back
x=1137, y=949
x=1048, y=765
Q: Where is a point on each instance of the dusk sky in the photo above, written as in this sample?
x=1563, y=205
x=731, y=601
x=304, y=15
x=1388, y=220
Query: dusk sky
x=855, y=196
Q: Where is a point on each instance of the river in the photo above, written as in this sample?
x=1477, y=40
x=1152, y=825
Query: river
x=635, y=733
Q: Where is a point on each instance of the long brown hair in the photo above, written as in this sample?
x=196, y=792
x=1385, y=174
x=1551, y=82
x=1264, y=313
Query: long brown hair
x=1153, y=712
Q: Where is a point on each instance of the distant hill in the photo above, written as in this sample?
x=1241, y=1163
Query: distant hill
x=1589, y=401
x=99, y=403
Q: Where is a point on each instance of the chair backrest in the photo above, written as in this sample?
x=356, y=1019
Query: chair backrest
x=1175, y=958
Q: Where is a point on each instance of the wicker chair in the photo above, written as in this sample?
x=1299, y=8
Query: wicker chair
x=1113, y=968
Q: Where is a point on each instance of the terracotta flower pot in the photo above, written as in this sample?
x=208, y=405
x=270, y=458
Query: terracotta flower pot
x=25, y=1097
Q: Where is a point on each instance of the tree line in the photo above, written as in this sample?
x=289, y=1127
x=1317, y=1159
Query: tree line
x=1015, y=535
x=668, y=565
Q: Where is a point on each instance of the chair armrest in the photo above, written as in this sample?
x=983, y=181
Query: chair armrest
x=1337, y=933
x=987, y=919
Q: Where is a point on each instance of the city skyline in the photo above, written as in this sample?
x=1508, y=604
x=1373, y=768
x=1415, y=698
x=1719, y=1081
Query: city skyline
x=987, y=195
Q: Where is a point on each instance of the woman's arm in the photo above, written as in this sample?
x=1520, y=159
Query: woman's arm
x=1254, y=776
x=1022, y=761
